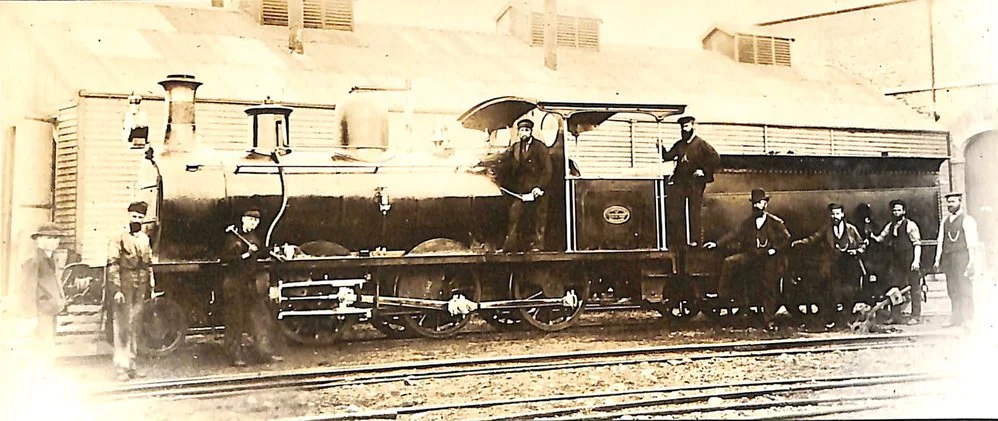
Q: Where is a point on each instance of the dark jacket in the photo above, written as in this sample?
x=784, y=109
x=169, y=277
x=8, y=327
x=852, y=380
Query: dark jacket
x=746, y=238
x=235, y=248
x=829, y=246
x=530, y=169
x=37, y=289
x=689, y=157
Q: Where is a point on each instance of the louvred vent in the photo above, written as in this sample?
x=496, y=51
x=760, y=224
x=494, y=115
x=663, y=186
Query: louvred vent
x=319, y=14
x=572, y=31
x=758, y=49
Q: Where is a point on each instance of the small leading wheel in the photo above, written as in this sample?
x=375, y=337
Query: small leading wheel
x=315, y=330
x=162, y=327
x=549, y=283
x=442, y=285
x=392, y=326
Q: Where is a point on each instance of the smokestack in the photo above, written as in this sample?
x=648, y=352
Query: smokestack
x=551, y=34
x=296, y=21
x=180, y=95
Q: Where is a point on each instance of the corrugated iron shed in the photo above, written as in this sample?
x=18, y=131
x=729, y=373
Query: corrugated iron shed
x=124, y=47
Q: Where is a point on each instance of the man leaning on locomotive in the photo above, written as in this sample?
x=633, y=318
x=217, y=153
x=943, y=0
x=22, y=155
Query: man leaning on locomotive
x=758, y=245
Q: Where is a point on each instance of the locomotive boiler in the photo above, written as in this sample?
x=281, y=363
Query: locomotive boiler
x=360, y=232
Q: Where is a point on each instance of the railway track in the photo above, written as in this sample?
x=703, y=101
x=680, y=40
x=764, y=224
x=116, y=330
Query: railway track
x=682, y=400
x=221, y=386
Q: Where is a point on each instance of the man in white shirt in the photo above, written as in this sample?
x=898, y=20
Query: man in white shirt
x=957, y=244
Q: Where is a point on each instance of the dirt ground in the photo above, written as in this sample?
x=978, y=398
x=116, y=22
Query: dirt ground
x=68, y=381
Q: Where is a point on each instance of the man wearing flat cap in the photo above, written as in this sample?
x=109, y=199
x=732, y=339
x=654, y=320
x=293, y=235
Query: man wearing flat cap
x=529, y=173
x=696, y=162
x=129, y=284
x=839, y=247
x=37, y=293
x=753, y=271
x=244, y=289
x=955, y=255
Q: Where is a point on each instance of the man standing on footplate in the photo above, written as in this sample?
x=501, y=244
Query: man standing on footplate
x=696, y=162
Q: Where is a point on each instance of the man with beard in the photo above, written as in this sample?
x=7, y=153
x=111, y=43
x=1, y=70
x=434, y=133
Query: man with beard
x=904, y=256
x=244, y=289
x=839, y=247
x=129, y=271
x=529, y=173
x=759, y=243
x=956, y=243
x=696, y=162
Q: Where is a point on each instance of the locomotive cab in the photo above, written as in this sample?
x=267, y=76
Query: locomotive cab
x=607, y=192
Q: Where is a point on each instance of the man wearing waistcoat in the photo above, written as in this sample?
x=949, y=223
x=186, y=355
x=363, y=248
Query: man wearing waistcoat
x=129, y=276
x=759, y=242
x=530, y=174
x=954, y=255
x=696, y=162
x=839, y=247
x=904, y=256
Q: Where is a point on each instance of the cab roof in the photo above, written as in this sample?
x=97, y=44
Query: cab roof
x=501, y=112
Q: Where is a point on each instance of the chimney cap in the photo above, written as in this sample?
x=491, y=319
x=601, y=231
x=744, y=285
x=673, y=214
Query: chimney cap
x=270, y=108
x=179, y=78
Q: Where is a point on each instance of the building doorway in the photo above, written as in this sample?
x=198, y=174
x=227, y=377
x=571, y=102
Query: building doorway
x=980, y=152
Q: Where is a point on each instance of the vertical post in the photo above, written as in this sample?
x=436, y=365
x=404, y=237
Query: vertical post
x=6, y=210
x=296, y=24
x=932, y=61
x=633, y=157
x=765, y=139
x=551, y=34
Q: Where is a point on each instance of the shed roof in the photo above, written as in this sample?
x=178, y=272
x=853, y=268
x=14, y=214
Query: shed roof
x=120, y=47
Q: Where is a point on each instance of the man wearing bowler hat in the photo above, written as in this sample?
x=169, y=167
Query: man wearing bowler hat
x=129, y=283
x=955, y=255
x=37, y=293
x=759, y=243
x=244, y=289
x=529, y=173
x=696, y=162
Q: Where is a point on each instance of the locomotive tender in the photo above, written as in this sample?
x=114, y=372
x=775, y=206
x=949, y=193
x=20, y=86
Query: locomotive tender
x=406, y=242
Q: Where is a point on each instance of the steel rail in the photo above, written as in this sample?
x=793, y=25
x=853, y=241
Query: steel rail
x=227, y=380
x=698, y=409
x=761, y=388
x=325, y=382
x=756, y=392
x=592, y=364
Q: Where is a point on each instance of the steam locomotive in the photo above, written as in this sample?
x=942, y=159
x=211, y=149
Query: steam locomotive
x=407, y=243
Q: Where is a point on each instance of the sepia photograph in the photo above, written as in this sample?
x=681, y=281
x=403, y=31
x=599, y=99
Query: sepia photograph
x=307, y=210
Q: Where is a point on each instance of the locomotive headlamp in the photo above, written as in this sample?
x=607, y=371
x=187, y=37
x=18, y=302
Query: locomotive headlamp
x=384, y=202
x=134, y=127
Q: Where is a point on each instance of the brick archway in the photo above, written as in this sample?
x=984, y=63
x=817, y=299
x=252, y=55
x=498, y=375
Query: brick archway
x=980, y=171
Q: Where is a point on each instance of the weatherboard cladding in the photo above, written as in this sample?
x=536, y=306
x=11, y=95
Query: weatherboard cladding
x=631, y=144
